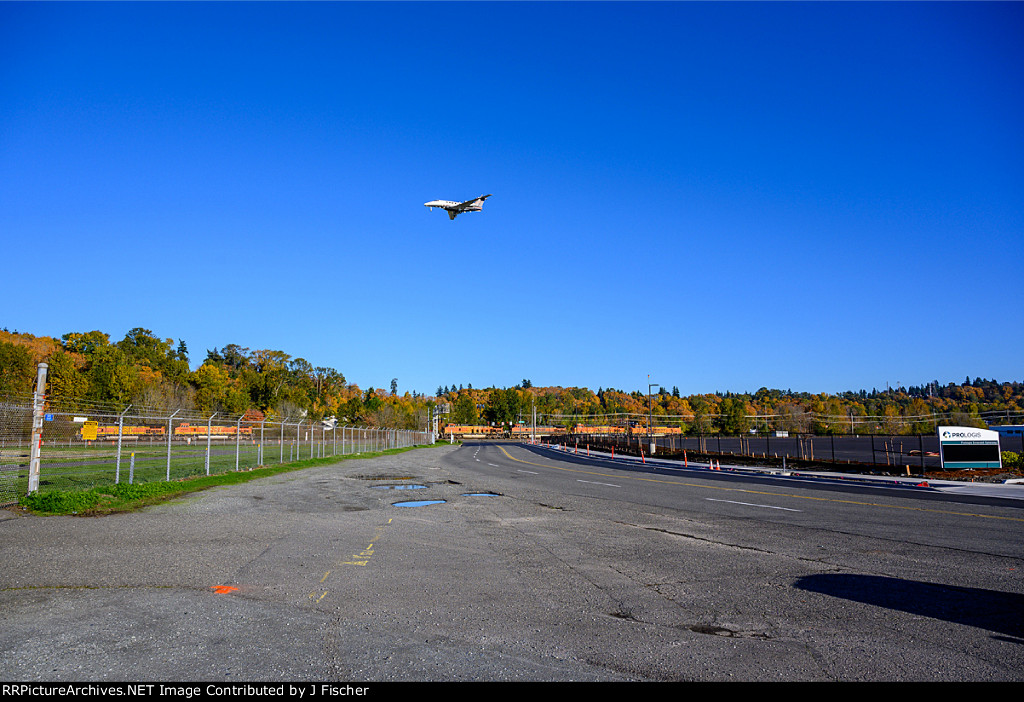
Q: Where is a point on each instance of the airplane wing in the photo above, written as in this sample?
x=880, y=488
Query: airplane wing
x=474, y=200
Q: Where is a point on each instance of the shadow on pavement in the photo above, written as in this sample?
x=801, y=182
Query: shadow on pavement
x=1000, y=612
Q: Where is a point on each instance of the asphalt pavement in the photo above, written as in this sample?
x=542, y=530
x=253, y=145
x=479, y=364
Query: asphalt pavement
x=1002, y=490
x=501, y=563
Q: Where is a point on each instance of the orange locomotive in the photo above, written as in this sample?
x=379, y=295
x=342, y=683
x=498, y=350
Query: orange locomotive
x=111, y=431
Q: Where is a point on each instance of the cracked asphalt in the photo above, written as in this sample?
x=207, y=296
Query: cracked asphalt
x=522, y=568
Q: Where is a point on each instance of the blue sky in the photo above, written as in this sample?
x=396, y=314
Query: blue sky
x=720, y=196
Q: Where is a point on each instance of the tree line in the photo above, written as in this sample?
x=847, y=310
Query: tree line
x=144, y=370
x=911, y=410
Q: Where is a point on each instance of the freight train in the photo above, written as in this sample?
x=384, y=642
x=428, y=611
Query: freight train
x=182, y=430
x=465, y=430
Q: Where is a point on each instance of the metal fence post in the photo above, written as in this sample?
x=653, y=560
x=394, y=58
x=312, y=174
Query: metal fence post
x=170, y=433
x=283, y=422
x=238, y=439
x=120, y=432
x=209, y=432
x=260, y=458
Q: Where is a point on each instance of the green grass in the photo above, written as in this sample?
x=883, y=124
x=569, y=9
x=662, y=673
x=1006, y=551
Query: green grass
x=125, y=497
x=70, y=468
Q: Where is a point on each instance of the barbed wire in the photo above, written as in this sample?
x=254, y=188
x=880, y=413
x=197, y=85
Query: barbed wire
x=63, y=405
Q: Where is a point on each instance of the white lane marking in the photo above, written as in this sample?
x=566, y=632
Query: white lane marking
x=593, y=483
x=751, y=504
x=493, y=464
x=531, y=472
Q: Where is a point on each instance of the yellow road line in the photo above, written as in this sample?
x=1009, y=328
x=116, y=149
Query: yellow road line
x=760, y=492
x=362, y=559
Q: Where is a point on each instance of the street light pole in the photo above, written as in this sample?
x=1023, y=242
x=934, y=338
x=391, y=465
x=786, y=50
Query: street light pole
x=650, y=415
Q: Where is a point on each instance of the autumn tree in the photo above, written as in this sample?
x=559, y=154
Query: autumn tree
x=113, y=379
x=702, y=419
x=503, y=406
x=733, y=419
x=66, y=383
x=17, y=373
x=464, y=410
x=84, y=343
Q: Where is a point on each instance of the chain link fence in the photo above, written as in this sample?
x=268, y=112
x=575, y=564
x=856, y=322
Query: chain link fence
x=83, y=446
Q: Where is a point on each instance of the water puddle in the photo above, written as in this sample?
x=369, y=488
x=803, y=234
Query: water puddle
x=399, y=487
x=480, y=494
x=419, y=503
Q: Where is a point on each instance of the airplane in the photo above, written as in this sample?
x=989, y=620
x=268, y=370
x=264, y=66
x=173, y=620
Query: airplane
x=456, y=208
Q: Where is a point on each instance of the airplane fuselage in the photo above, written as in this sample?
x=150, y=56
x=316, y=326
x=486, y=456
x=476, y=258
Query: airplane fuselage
x=444, y=204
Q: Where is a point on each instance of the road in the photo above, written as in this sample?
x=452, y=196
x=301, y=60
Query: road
x=520, y=564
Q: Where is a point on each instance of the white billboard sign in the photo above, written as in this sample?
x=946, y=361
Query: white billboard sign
x=968, y=447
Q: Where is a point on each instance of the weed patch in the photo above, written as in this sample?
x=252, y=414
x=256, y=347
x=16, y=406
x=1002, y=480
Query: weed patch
x=60, y=502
